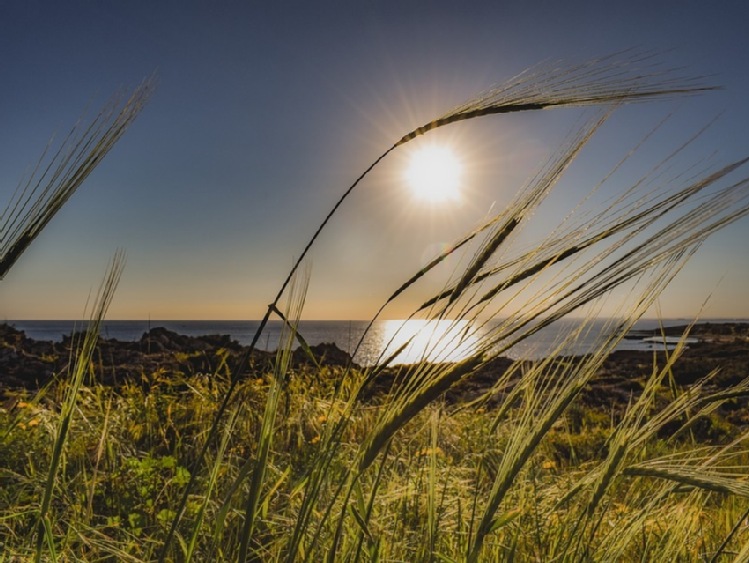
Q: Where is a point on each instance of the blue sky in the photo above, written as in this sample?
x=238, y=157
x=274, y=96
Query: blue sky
x=265, y=114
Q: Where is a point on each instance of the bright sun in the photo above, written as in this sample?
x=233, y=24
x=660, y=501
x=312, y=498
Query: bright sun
x=434, y=174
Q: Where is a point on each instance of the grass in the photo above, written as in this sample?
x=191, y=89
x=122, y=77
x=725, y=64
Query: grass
x=55, y=178
x=83, y=359
x=128, y=452
x=309, y=464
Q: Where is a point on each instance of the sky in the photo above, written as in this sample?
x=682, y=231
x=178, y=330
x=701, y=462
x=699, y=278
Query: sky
x=265, y=113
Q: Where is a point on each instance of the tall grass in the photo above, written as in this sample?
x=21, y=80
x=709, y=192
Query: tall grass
x=659, y=256
x=374, y=464
x=79, y=369
x=612, y=80
x=56, y=177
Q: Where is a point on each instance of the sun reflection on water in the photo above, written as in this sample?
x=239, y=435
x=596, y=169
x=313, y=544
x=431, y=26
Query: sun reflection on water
x=431, y=341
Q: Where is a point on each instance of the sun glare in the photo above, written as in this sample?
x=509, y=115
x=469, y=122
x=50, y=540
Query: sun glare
x=430, y=340
x=434, y=174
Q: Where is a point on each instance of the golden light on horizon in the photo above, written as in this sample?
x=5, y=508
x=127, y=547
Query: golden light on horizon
x=434, y=174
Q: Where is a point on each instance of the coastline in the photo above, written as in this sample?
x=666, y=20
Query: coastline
x=350, y=335
x=26, y=363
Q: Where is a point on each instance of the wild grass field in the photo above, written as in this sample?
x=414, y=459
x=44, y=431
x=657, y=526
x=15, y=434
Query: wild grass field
x=280, y=463
x=613, y=482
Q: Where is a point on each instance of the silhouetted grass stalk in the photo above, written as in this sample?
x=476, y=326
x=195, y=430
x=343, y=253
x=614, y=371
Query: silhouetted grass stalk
x=612, y=80
x=80, y=368
x=546, y=405
x=339, y=507
x=52, y=182
x=283, y=358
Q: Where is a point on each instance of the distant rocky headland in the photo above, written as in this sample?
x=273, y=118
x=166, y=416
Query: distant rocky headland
x=29, y=364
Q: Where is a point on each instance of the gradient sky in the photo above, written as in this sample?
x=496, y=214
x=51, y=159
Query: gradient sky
x=265, y=113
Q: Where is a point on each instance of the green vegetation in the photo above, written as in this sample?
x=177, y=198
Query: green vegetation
x=578, y=487
x=313, y=465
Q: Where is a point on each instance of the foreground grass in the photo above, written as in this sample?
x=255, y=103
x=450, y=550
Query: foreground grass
x=129, y=452
x=312, y=466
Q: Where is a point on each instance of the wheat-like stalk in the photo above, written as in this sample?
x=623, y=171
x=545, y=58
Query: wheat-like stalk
x=614, y=80
x=54, y=180
x=80, y=368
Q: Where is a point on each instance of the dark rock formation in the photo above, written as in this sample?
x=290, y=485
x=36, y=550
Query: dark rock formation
x=29, y=364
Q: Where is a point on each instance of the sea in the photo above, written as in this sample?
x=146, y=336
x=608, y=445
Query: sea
x=413, y=340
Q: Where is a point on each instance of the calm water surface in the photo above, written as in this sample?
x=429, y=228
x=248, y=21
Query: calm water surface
x=415, y=340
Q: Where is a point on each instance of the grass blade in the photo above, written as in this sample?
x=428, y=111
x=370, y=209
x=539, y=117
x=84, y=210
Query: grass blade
x=103, y=300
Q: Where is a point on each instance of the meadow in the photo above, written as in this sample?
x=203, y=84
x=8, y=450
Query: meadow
x=673, y=488
x=276, y=462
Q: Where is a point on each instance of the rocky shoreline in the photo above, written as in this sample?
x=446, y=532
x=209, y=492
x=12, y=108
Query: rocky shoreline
x=26, y=363
x=29, y=364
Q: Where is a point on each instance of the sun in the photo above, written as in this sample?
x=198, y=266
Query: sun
x=433, y=174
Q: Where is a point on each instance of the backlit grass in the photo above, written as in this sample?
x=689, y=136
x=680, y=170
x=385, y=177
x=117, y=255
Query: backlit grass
x=128, y=453
x=346, y=464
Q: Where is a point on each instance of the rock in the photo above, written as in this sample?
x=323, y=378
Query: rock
x=29, y=364
x=326, y=353
x=26, y=363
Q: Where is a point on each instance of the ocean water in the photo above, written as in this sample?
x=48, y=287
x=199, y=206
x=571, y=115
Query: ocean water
x=416, y=340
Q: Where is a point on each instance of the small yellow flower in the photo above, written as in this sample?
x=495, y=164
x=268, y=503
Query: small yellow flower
x=33, y=422
x=549, y=464
x=22, y=404
x=322, y=419
x=315, y=440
